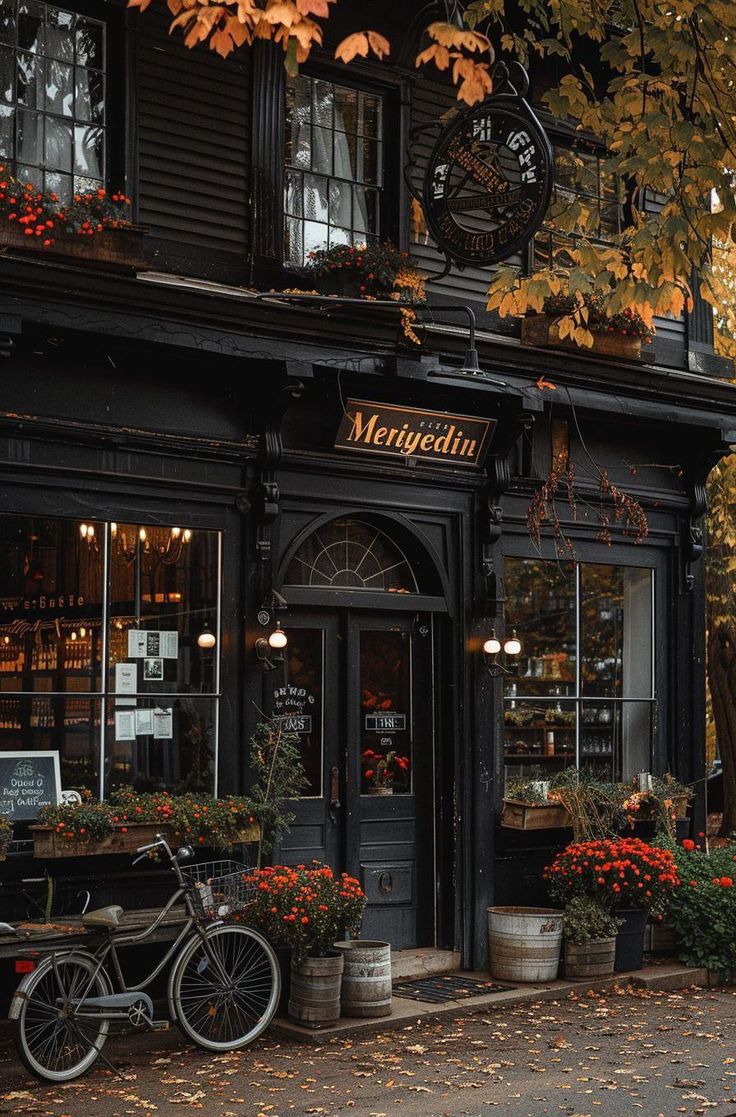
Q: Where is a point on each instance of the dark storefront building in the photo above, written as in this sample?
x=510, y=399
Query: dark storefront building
x=174, y=461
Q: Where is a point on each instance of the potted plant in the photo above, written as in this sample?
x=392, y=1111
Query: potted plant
x=94, y=226
x=370, y=271
x=306, y=910
x=6, y=835
x=528, y=805
x=589, y=936
x=381, y=772
x=616, y=335
x=627, y=876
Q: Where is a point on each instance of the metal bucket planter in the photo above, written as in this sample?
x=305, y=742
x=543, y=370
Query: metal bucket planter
x=366, y=978
x=524, y=943
x=589, y=959
x=314, y=999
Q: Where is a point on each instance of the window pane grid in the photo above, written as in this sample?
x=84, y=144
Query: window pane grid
x=52, y=97
x=579, y=176
x=334, y=167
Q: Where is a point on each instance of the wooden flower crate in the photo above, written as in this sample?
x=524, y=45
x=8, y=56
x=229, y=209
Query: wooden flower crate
x=113, y=249
x=48, y=842
x=541, y=330
x=534, y=816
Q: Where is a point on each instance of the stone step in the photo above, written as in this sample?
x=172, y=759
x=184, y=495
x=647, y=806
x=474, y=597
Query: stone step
x=422, y=962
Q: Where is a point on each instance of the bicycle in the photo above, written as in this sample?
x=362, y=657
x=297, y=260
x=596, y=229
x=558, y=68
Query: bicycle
x=223, y=984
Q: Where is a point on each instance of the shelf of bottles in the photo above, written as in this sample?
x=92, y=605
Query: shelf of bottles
x=58, y=657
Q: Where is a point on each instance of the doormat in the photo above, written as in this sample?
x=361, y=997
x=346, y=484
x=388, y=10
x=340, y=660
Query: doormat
x=447, y=987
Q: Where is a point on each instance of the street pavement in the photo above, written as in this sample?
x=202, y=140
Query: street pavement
x=612, y=1055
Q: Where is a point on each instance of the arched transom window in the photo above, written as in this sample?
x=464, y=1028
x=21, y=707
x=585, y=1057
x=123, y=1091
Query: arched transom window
x=351, y=554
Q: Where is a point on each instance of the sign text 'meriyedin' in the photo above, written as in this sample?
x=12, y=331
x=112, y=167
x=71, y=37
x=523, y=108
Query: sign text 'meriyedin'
x=380, y=428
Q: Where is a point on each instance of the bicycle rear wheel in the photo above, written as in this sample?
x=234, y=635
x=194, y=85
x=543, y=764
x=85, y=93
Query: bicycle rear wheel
x=51, y=1041
x=224, y=988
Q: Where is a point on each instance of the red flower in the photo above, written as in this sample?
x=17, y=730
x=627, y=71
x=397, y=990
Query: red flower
x=688, y=844
x=726, y=882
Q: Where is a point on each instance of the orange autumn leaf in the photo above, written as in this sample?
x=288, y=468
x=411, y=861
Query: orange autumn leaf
x=314, y=7
x=435, y=53
x=359, y=44
x=282, y=12
x=447, y=35
x=473, y=78
x=542, y=384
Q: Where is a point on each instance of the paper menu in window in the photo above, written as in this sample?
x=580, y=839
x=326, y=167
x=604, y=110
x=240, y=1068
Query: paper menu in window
x=137, y=643
x=126, y=678
x=125, y=725
x=144, y=722
x=169, y=645
x=163, y=723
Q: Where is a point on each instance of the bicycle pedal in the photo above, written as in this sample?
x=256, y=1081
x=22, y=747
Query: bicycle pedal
x=160, y=1025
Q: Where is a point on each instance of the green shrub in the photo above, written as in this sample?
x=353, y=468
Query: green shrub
x=703, y=911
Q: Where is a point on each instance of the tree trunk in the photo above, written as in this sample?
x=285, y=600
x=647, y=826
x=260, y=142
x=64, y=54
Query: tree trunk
x=722, y=678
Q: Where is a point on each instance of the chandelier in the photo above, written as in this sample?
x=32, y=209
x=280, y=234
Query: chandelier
x=158, y=544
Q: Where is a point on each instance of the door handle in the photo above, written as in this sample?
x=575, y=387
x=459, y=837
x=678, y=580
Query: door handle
x=334, y=789
x=334, y=795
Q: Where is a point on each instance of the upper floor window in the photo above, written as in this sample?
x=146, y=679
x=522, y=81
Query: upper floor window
x=583, y=187
x=333, y=166
x=52, y=96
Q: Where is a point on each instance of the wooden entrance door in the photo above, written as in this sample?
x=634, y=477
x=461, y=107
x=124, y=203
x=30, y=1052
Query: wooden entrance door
x=357, y=688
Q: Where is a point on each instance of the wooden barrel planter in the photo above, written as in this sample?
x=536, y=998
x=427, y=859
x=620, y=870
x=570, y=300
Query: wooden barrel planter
x=366, y=978
x=524, y=943
x=314, y=998
x=589, y=959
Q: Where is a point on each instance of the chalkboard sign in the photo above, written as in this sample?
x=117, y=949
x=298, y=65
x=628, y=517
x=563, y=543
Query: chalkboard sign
x=28, y=781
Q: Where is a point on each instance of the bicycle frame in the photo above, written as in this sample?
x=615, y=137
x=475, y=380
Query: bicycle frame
x=108, y=950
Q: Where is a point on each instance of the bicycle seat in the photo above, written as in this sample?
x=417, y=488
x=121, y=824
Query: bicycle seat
x=103, y=917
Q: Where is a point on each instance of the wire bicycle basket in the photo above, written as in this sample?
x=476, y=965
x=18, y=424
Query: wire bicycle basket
x=220, y=888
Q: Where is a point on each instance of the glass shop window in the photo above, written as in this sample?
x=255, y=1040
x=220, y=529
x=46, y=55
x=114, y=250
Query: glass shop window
x=52, y=97
x=584, y=691
x=109, y=650
x=583, y=188
x=298, y=703
x=333, y=167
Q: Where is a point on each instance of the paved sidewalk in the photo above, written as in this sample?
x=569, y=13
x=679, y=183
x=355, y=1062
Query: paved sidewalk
x=597, y=1055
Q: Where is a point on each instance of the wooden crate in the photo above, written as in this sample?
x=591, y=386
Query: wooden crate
x=534, y=816
x=113, y=249
x=48, y=842
x=541, y=330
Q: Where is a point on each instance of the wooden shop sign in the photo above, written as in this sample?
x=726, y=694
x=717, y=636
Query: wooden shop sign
x=433, y=437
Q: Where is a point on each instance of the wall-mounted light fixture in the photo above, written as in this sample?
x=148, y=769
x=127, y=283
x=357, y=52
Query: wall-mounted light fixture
x=270, y=648
x=206, y=639
x=492, y=648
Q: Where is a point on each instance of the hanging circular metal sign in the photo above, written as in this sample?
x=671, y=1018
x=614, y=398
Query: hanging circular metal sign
x=489, y=179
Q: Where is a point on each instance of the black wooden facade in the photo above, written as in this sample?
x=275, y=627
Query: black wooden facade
x=180, y=396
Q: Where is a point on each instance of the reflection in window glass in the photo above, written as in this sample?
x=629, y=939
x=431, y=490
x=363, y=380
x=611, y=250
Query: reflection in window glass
x=167, y=744
x=386, y=717
x=298, y=702
x=334, y=167
x=584, y=689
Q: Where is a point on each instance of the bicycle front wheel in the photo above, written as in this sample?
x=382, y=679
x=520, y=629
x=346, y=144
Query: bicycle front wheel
x=225, y=987
x=52, y=1042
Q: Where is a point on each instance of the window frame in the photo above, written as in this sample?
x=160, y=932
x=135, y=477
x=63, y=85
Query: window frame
x=44, y=504
x=661, y=756
x=115, y=80
x=390, y=193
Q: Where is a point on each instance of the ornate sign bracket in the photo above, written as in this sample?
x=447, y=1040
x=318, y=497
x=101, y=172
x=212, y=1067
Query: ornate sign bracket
x=488, y=181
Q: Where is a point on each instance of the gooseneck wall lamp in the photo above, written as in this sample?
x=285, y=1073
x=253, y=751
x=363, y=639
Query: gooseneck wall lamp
x=492, y=648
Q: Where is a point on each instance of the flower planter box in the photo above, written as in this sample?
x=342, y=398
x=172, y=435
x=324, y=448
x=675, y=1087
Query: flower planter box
x=534, y=816
x=112, y=250
x=49, y=842
x=542, y=331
